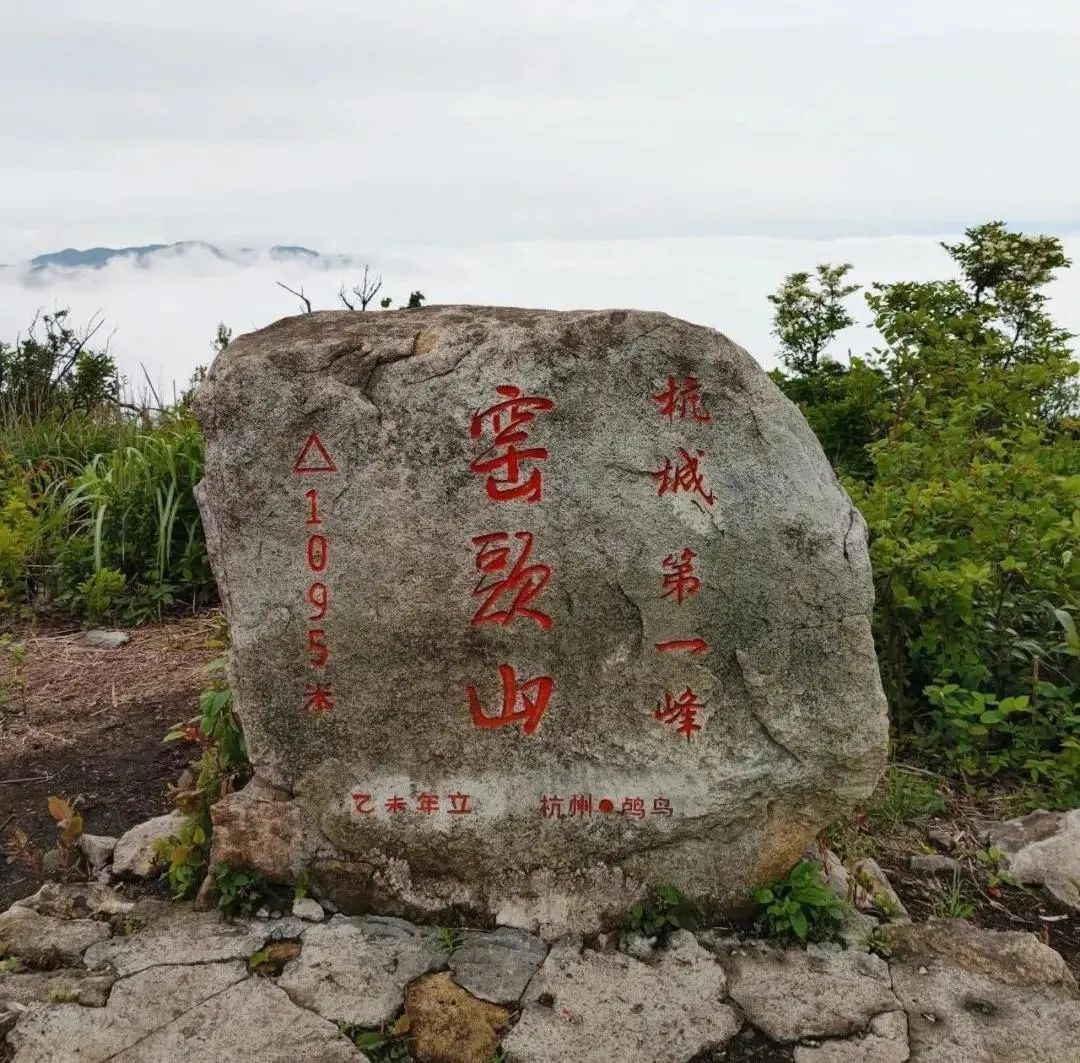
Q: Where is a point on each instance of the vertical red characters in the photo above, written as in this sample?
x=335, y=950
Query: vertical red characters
x=315, y=459
x=510, y=580
x=680, y=581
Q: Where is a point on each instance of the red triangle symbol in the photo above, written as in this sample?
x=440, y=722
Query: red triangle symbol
x=314, y=457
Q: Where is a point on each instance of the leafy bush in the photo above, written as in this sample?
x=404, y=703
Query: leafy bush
x=969, y=485
x=799, y=906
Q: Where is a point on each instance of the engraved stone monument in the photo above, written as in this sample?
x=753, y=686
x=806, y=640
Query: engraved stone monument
x=529, y=611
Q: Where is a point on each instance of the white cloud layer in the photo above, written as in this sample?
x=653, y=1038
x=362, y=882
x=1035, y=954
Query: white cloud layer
x=165, y=313
x=355, y=124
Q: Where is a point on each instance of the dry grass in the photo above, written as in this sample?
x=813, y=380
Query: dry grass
x=53, y=687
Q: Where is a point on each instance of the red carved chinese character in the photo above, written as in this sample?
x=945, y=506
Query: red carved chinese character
x=427, y=803
x=535, y=695
x=319, y=698
x=634, y=806
x=521, y=583
x=680, y=396
x=661, y=806
x=459, y=804
x=551, y=807
x=581, y=804
x=683, y=710
x=362, y=802
x=683, y=475
x=679, y=579
x=509, y=419
x=694, y=645
x=395, y=804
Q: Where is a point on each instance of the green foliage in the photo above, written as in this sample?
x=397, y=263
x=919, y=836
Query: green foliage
x=799, y=906
x=809, y=313
x=903, y=796
x=90, y=487
x=52, y=370
x=950, y=903
x=390, y=1044
x=100, y=593
x=968, y=480
x=239, y=891
x=416, y=300
x=222, y=765
x=665, y=909
x=450, y=939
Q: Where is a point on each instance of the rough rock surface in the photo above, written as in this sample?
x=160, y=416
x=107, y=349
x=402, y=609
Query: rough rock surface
x=496, y=966
x=885, y=1041
x=134, y=853
x=178, y=936
x=65, y=986
x=448, y=1025
x=585, y=1006
x=77, y=900
x=185, y=1014
x=977, y=996
x=361, y=622
x=46, y=941
x=356, y=969
x=791, y=994
x=1043, y=848
x=97, y=848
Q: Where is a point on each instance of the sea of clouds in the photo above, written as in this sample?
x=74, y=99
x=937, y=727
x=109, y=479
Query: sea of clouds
x=162, y=311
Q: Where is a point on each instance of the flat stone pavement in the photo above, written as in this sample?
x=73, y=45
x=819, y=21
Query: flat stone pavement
x=92, y=975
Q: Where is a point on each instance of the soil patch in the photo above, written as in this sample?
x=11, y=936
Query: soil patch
x=87, y=724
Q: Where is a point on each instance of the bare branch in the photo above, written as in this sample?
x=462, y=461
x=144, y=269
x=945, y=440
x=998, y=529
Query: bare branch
x=341, y=295
x=304, y=300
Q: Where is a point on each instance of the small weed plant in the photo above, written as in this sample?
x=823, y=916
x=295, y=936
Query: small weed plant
x=663, y=911
x=222, y=765
x=239, y=891
x=950, y=903
x=799, y=907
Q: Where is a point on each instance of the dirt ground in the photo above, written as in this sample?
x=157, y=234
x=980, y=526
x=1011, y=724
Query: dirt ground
x=87, y=724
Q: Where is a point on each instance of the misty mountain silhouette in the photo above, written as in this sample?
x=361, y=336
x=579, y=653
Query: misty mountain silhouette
x=97, y=257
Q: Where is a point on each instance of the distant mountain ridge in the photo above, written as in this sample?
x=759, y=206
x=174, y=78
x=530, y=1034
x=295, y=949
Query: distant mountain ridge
x=98, y=257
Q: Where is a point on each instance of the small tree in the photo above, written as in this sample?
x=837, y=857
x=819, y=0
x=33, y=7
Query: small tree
x=416, y=300
x=809, y=313
x=363, y=292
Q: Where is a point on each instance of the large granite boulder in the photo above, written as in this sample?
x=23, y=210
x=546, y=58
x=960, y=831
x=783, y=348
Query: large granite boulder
x=530, y=609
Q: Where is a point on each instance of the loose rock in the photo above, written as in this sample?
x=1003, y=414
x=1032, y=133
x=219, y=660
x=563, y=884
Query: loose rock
x=134, y=852
x=496, y=966
x=77, y=900
x=933, y=864
x=101, y=639
x=308, y=909
x=45, y=941
x=97, y=848
x=1043, y=848
x=793, y=994
x=582, y=1003
x=356, y=969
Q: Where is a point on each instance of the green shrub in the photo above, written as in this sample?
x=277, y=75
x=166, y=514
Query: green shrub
x=799, y=906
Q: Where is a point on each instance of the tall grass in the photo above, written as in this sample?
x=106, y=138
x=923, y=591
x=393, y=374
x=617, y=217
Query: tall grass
x=98, y=514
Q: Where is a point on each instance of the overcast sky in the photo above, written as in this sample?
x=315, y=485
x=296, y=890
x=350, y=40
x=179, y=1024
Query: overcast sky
x=488, y=134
